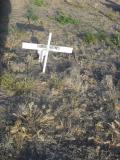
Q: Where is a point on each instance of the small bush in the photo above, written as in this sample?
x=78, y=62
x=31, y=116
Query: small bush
x=101, y=36
x=115, y=39
x=110, y=40
x=10, y=83
x=7, y=81
x=111, y=15
x=64, y=19
x=30, y=15
x=38, y=2
x=90, y=38
x=24, y=84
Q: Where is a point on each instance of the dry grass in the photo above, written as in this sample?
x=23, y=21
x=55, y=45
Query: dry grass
x=72, y=111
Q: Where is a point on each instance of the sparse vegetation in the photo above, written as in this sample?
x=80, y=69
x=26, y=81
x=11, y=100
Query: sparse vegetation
x=112, y=40
x=112, y=16
x=90, y=38
x=30, y=15
x=115, y=39
x=55, y=82
x=72, y=112
x=38, y=3
x=101, y=36
x=7, y=81
x=64, y=19
x=24, y=84
x=10, y=83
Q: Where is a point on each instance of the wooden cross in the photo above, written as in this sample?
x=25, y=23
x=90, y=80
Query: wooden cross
x=43, y=50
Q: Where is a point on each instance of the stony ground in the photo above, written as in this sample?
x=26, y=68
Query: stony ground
x=73, y=111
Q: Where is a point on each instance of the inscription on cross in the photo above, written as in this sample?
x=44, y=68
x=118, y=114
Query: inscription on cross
x=43, y=50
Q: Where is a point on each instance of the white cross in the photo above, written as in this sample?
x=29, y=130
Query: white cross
x=43, y=50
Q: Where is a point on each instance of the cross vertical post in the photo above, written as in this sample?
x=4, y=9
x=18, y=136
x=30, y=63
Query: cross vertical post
x=43, y=50
x=47, y=52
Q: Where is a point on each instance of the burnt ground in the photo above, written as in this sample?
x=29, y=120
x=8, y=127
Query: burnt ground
x=73, y=111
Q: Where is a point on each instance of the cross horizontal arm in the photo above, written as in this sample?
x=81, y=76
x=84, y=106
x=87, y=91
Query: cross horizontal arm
x=52, y=48
x=31, y=46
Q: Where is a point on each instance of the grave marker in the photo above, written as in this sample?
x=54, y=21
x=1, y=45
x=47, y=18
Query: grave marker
x=43, y=50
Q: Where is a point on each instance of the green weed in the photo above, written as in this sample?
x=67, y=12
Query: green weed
x=111, y=15
x=110, y=40
x=10, y=83
x=7, y=81
x=30, y=15
x=24, y=84
x=55, y=82
x=101, y=36
x=65, y=19
x=90, y=38
x=38, y=3
x=115, y=39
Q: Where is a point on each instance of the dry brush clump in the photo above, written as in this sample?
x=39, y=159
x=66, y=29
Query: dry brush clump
x=52, y=132
x=29, y=123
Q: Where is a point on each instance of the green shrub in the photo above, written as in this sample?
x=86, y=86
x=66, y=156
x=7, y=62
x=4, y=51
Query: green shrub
x=110, y=40
x=101, y=36
x=111, y=15
x=24, y=84
x=7, y=81
x=38, y=2
x=115, y=39
x=30, y=15
x=10, y=83
x=64, y=19
x=90, y=38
